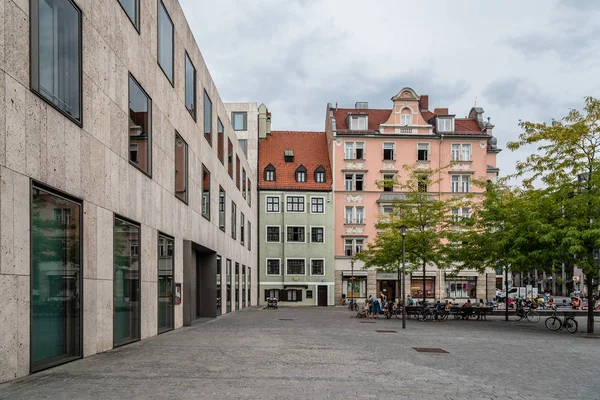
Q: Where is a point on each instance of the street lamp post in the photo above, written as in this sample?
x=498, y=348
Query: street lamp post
x=403, y=279
x=352, y=284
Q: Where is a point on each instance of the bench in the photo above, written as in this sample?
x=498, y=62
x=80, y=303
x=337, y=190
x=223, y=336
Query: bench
x=467, y=312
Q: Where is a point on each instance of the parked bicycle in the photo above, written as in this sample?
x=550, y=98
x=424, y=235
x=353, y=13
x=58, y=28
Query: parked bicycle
x=352, y=305
x=435, y=313
x=529, y=314
x=554, y=323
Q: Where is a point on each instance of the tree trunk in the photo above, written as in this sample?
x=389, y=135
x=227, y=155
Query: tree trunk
x=590, y=299
x=424, y=292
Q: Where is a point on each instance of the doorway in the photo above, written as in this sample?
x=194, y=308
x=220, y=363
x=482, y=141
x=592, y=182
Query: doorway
x=322, y=296
x=389, y=289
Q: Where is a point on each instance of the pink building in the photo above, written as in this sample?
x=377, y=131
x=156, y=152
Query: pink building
x=368, y=145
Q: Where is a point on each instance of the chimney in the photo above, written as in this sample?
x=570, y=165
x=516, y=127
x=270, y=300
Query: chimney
x=424, y=102
x=440, y=111
x=361, y=105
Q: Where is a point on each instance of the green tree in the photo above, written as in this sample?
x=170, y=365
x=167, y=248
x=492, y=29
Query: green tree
x=567, y=163
x=427, y=218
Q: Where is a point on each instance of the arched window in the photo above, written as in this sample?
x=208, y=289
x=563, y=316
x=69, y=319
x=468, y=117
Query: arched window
x=301, y=174
x=406, y=117
x=270, y=173
x=320, y=174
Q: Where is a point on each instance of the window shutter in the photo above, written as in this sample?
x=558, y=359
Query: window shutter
x=299, y=295
x=266, y=294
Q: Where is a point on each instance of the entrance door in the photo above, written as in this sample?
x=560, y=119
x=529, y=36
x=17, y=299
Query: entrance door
x=389, y=289
x=322, y=296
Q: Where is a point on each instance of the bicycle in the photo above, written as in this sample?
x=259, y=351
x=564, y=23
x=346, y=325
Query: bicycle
x=431, y=313
x=531, y=315
x=554, y=323
x=353, y=305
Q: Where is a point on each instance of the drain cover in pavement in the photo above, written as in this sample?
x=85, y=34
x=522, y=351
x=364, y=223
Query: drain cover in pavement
x=367, y=322
x=286, y=319
x=429, y=350
x=384, y=331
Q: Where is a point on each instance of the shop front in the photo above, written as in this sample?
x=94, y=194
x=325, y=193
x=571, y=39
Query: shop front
x=387, y=283
x=354, y=285
x=416, y=287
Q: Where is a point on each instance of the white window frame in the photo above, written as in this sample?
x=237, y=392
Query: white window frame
x=460, y=182
x=465, y=152
x=455, y=151
x=267, y=266
x=269, y=175
x=406, y=119
x=267, y=233
x=320, y=177
x=311, y=205
x=301, y=176
x=278, y=204
x=317, y=259
x=386, y=207
x=445, y=124
x=346, y=214
x=317, y=226
x=454, y=183
x=354, y=215
x=354, y=243
x=295, y=212
x=393, y=148
x=359, y=122
x=421, y=146
x=295, y=226
x=352, y=147
x=295, y=258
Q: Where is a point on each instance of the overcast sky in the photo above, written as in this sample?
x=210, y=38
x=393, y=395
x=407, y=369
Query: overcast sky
x=528, y=60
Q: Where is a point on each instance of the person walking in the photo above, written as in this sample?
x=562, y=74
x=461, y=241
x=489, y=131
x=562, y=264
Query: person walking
x=480, y=313
x=375, y=308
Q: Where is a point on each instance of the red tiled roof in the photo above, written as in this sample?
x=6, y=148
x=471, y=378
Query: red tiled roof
x=466, y=125
x=376, y=117
x=310, y=150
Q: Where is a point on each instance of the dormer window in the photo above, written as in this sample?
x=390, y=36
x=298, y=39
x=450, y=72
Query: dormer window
x=301, y=174
x=445, y=124
x=406, y=117
x=358, y=122
x=270, y=173
x=288, y=155
x=320, y=174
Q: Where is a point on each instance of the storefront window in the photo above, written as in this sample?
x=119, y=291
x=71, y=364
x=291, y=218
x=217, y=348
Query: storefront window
x=55, y=279
x=354, y=287
x=236, y=278
x=461, y=288
x=243, y=286
x=228, y=281
x=218, y=285
x=165, y=283
x=416, y=288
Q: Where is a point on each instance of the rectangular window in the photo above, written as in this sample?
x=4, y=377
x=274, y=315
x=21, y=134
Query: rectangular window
x=295, y=234
x=205, y=192
x=466, y=152
x=349, y=182
x=140, y=127
x=165, y=42
x=388, y=209
x=462, y=288
x=317, y=235
x=249, y=193
x=236, y=278
x=228, y=284
x=422, y=181
x=358, y=122
x=244, y=146
x=132, y=9
x=126, y=282
x=354, y=150
x=445, y=124
x=249, y=238
x=388, y=182
x=349, y=215
x=455, y=152
x=233, y=220
x=405, y=119
x=358, y=182
x=207, y=118
x=242, y=231
x=388, y=151
x=320, y=177
x=459, y=213
x=359, y=151
x=349, y=150
x=273, y=234
x=317, y=205
x=295, y=204
x=353, y=246
x=455, y=183
x=296, y=266
x=423, y=151
x=301, y=176
x=466, y=183
x=273, y=266
x=237, y=171
x=56, y=55
x=230, y=158
x=239, y=121
x=221, y=141
x=190, y=86
x=309, y=294
x=317, y=267
x=219, y=285
x=360, y=215
x=181, y=167
x=354, y=182
x=222, y=209
x=272, y=204
x=165, y=283
x=244, y=182
x=56, y=279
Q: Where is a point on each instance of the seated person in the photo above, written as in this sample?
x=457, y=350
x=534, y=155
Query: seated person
x=467, y=309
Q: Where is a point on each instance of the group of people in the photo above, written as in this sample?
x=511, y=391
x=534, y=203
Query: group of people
x=582, y=304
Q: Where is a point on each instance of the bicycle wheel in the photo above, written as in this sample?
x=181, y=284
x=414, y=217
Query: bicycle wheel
x=570, y=325
x=443, y=316
x=533, y=316
x=423, y=316
x=553, y=323
x=355, y=305
x=518, y=316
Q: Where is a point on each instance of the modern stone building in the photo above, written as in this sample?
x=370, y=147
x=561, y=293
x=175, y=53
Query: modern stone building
x=296, y=218
x=369, y=145
x=124, y=208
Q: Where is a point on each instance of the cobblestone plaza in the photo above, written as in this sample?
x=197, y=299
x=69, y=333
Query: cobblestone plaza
x=314, y=353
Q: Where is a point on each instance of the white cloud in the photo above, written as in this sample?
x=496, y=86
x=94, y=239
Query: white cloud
x=521, y=60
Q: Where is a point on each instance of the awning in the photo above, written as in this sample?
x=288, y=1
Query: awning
x=356, y=273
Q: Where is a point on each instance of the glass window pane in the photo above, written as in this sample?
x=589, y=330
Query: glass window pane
x=181, y=176
x=207, y=118
x=55, y=278
x=219, y=308
x=56, y=64
x=228, y=282
x=140, y=127
x=190, y=86
x=205, y=192
x=165, y=41
x=131, y=9
x=239, y=121
x=165, y=283
x=126, y=282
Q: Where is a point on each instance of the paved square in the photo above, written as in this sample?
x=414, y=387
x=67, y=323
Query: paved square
x=316, y=353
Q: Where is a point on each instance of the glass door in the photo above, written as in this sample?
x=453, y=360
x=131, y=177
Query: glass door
x=165, y=283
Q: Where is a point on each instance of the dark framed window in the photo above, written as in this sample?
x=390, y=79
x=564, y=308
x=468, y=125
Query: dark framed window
x=239, y=120
x=273, y=293
x=317, y=235
x=272, y=204
x=166, y=273
x=132, y=9
x=295, y=204
x=243, y=286
x=205, y=192
x=388, y=151
x=238, y=172
x=207, y=118
x=249, y=193
x=273, y=267
x=228, y=284
x=273, y=234
x=222, y=209
x=166, y=42
x=190, y=86
x=181, y=168
x=233, y=220
x=236, y=277
x=140, y=127
x=242, y=232
x=295, y=234
x=317, y=205
x=230, y=158
x=317, y=267
x=301, y=174
x=388, y=182
x=219, y=286
x=56, y=66
x=309, y=294
x=270, y=173
x=249, y=241
x=56, y=278
x=126, y=282
x=220, y=141
x=320, y=174
x=244, y=146
x=296, y=266
x=244, y=182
